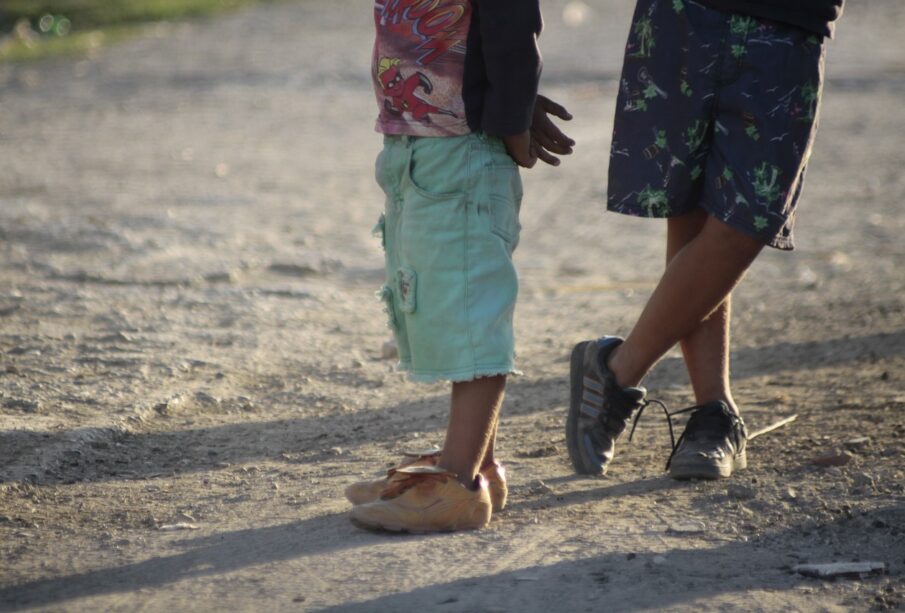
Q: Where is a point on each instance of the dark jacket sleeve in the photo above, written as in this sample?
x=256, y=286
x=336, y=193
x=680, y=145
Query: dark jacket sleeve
x=512, y=61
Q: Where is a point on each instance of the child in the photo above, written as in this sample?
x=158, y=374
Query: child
x=456, y=84
x=715, y=119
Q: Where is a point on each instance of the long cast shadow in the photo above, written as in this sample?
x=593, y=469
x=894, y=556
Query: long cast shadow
x=621, y=580
x=211, y=555
x=137, y=456
x=749, y=362
x=635, y=580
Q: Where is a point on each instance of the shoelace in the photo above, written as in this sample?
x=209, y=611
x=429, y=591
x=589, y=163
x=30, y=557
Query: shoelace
x=398, y=487
x=672, y=437
x=409, y=460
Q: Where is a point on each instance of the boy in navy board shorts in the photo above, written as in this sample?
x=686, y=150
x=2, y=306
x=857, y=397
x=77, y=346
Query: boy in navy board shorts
x=715, y=119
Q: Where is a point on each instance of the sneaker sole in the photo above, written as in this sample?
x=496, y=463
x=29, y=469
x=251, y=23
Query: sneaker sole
x=702, y=469
x=574, y=440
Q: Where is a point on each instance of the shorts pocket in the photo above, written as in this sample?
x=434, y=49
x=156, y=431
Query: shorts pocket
x=503, y=201
x=385, y=294
x=437, y=170
x=406, y=281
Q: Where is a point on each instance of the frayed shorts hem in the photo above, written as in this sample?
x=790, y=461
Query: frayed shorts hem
x=457, y=376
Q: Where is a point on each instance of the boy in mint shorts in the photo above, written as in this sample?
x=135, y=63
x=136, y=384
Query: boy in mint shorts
x=456, y=85
x=715, y=119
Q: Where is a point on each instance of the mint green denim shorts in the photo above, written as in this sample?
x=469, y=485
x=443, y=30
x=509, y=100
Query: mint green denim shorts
x=449, y=229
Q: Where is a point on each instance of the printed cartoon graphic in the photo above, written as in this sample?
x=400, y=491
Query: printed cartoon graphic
x=400, y=91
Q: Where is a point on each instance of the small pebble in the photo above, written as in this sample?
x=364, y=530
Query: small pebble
x=857, y=443
x=539, y=487
x=692, y=526
x=837, y=458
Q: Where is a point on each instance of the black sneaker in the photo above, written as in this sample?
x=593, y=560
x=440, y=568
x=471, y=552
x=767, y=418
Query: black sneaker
x=712, y=445
x=599, y=409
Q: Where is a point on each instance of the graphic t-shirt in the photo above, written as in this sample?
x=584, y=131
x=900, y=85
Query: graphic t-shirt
x=419, y=64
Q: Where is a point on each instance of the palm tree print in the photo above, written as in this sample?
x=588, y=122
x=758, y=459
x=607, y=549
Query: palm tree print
x=694, y=135
x=660, y=139
x=654, y=200
x=644, y=30
x=742, y=25
x=809, y=95
x=766, y=179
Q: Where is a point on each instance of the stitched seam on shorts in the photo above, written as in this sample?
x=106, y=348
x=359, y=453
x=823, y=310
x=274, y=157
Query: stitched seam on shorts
x=469, y=195
x=462, y=374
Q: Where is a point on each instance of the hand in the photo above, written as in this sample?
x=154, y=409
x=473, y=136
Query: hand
x=521, y=150
x=546, y=138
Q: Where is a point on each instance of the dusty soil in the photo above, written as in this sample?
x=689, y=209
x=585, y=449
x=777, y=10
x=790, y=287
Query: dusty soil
x=190, y=349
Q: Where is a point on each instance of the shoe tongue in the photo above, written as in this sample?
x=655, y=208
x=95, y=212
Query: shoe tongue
x=714, y=416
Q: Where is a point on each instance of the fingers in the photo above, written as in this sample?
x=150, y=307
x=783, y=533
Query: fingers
x=529, y=160
x=549, y=137
x=546, y=139
x=556, y=135
x=521, y=149
x=540, y=152
x=546, y=157
x=553, y=108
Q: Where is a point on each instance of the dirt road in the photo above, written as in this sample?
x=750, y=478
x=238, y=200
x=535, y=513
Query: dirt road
x=190, y=349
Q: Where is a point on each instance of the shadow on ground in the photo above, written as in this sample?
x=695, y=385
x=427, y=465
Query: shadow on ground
x=614, y=580
x=113, y=454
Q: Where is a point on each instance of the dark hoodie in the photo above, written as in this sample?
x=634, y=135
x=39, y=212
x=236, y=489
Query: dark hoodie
x=813, y=15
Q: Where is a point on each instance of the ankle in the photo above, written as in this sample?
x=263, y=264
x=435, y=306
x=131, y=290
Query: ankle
x=473, y=484
x=618, y=365
x=718, y=396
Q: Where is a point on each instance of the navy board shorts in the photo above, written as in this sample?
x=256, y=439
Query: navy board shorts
x=715, y=110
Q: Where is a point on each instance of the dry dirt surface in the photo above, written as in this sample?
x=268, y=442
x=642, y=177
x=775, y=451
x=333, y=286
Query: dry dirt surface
x=190, y=347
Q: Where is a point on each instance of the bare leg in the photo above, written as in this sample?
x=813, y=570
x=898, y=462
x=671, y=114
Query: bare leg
x=472, y=424
x=697, y=281
x=489, y=452
x=706, y=349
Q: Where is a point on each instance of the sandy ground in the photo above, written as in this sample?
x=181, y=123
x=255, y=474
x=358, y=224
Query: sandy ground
x=190, y=348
